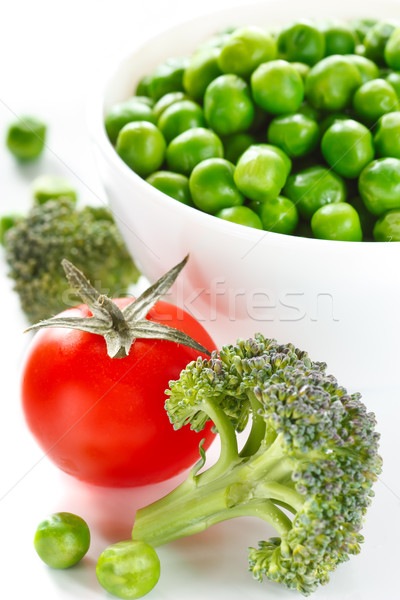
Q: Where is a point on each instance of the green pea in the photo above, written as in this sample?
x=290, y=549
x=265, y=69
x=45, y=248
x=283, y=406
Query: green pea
x=277, y=87
x=212, y=186
x=260, y=173
x=302, y=69
x=394, y=79
x=168, y=77
x=26, y=138
x=242, y=215
x=296, y=134
x=330, y=120
x=374, y=99
x=361, y=27
x=174, y=185
x=126, y=112
x=201, y=71
x=392, y=50
x=314, y=187
x=279, y=215
x=62, y=540
x=166, y=101
x=339, y=38
x=236, y=144
x=366, y=67
x=50, y=187
x=337, y=222
x=376, y=39
x=379, y=185
x=143, y=86
x=347, y=147
x=301, y=42
x=7, y=222
x=179, y=117
x=387, y=228
x=191, y=147
x=245, y=49
x=141, y=146
x=128, y=569
x=387, y=135
x=228, y=107
x=282, y=155
x=331, y=83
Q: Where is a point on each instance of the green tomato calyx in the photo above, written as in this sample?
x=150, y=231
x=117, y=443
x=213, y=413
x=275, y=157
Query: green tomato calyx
x=120, y=328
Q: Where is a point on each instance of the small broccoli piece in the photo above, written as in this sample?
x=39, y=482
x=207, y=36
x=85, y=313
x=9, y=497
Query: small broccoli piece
x=37, y=243
x=307, y=467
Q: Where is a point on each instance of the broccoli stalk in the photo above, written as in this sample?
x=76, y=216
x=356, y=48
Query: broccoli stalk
x=306, y=468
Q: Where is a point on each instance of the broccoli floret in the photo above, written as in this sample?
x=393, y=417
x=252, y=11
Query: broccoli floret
x=37, y=243
x=307, y=466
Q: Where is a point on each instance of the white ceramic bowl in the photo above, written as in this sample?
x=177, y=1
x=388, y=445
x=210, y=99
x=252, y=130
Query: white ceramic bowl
x=340, y=301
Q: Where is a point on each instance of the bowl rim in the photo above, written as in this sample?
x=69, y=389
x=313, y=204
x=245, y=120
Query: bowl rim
x=95, y=109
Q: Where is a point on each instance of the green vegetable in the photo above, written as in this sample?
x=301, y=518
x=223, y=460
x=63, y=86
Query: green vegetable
x=387, y=228
x=279, y=215
x=331, y=83
x=374, y=99
x=37, y=243
x=306, y=468
x=392, y=50
x=201, y=71
x=191, y=147
x=62, y=540
x=245, y=49
x=379, y=185
x=128, y=569
x=277, y=87
x=175, y=185
x=166, y=101
x=367, y=68
x=143, y=86
x=167, y=77
x=347, y=147
x=387, y=135
x=301, y=42
x=50, y=187
x=243, y=215
x=314, y=187
x=179, y=117
x=339, y=221
x=133, y=109
x=394, y=79
x=6, y=222
x=376, y=39
x=296, y=134
x=339, y=38
x=228, y=107
x=212, y=186
x=26, y=138
x=141, y=145
x=261, y=172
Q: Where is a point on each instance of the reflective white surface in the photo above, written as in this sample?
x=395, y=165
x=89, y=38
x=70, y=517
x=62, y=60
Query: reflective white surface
x=50, y=51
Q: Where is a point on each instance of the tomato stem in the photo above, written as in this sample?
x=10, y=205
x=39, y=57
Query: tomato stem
x=119, y=327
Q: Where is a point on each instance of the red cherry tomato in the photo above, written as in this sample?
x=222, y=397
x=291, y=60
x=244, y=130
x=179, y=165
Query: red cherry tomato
x=102, y=419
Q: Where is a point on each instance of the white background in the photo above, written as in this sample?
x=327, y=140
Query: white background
x=50, y=52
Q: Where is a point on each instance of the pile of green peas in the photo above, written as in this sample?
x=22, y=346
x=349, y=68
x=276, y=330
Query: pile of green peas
x=294, y=131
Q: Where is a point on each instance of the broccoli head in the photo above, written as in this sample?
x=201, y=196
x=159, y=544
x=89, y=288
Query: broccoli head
x=307, y=466
x=36, y=244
